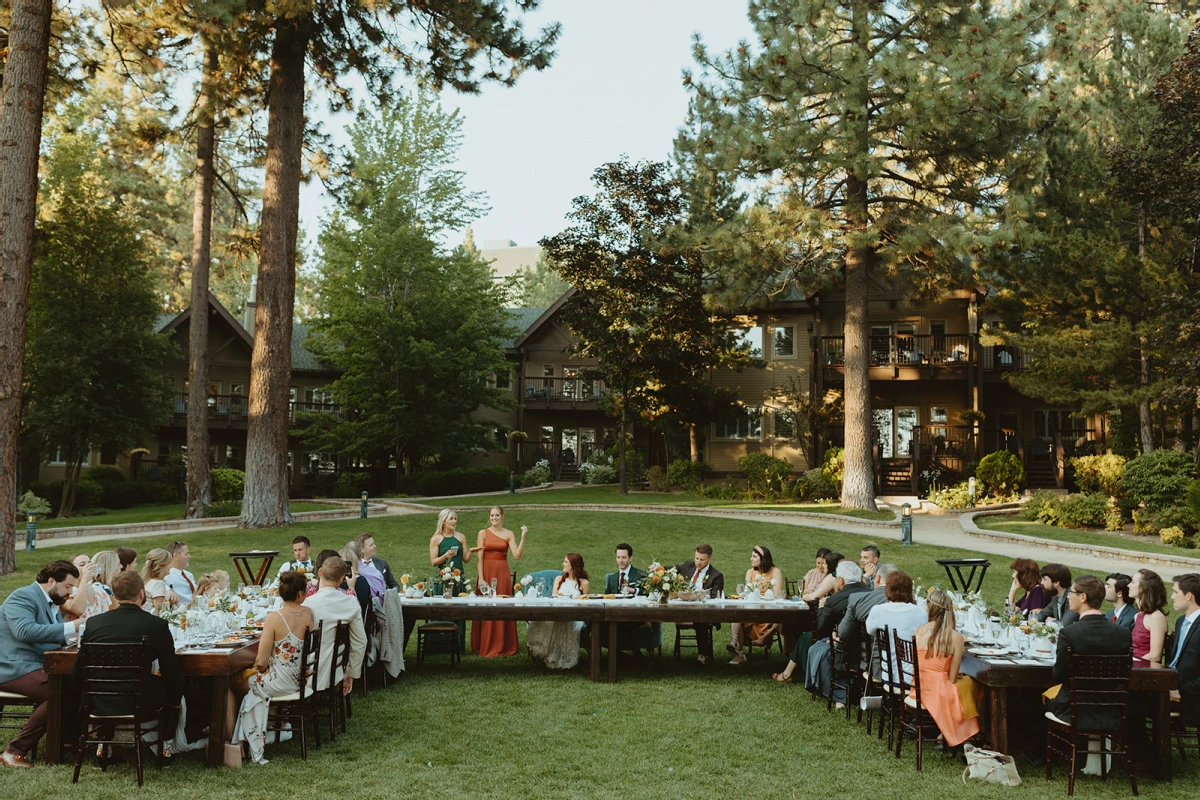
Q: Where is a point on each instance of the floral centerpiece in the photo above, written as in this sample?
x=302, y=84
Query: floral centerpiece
x=225, y=602
x=174, y=615
x=450, y=577
x=661, y=582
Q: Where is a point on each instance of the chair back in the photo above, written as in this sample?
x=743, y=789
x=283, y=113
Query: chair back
x=908, y=665
x=310, y=659
x=1099, y=690
x=883, y=643
x=792, y=587
x=116, y=678
x=340, y=658
x=866, y=651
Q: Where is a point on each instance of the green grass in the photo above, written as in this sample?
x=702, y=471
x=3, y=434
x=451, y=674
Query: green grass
x=1141, y=544
x=149, y=513
x=608, y=495
x=500, y=728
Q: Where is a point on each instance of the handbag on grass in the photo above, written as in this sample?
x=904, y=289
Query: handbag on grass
x=990, y=767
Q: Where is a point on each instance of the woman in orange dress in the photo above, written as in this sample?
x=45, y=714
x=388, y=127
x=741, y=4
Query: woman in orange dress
x=491, y=638
x=947, y=696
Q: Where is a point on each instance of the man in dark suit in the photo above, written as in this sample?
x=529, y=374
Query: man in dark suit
x=1055, y=580
x=626, y=575
x=1116, y=591
x=1091, y=635
x=860, y=605
x=704, y=576
x=367, y=543
x=626, y=580
x=819, y=670
x=1185, y=652
x=30, y=626
x=129, y=624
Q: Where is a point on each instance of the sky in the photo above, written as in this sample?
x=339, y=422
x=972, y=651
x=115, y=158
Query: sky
x=614, y=89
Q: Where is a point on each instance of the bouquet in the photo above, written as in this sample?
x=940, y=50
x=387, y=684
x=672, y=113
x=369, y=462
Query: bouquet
x=664, y=580
x=225, y=602
x=760, y=583
x=450, y=576
x=174, y=615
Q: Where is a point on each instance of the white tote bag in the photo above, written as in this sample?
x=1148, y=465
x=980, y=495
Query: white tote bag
x=990, y=767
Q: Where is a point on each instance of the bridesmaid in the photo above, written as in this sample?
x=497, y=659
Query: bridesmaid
x=497, y=637
x=448, y=544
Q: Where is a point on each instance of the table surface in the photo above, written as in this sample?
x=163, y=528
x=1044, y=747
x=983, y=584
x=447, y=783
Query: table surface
x=631, y=610
x=193, y=661
x=995, y=672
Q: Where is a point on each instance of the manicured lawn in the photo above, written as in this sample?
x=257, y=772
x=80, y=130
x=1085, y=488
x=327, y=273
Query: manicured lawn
x=502, y=728
x=1143, y=544
x=150, y=513
x=608, y=495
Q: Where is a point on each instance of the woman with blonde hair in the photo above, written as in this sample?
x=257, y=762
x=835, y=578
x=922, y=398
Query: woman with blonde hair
x=154, y=572
x=352, y=555
x=947, y=696
x=209, y=586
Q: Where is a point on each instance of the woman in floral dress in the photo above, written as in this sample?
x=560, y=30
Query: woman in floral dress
x=276, y=670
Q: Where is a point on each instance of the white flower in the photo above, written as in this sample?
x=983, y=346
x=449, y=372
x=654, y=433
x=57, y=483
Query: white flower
x=528, y=579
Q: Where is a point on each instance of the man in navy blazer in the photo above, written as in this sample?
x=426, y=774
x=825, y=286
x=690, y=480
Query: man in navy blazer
x=30, y=626
x=1185, y=653
x=1116, y=591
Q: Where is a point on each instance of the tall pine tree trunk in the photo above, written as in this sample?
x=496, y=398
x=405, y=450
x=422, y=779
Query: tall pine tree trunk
x=265, y=501
x=199, y=483
x=22, y=97
x=694, y=443
x=858, y=489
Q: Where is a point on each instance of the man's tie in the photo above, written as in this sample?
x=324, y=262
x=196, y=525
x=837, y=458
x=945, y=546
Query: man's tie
x=191, y=585
x=698, y=579
x=1183, y=633
x=621, y=584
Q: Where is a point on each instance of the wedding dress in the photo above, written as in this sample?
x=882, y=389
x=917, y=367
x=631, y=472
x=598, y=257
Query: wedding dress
x=556, y=643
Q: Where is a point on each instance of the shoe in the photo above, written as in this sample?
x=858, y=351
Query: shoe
x=10, y=759
x=839, y=706
x=738, y=659
x=703, y=660
x=733, y=648
x=779, y=677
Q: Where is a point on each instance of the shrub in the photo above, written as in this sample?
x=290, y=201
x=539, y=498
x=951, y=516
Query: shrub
x=635, y=465
x=598, y=473
x=834, y=467
x=687, y=474
x=1193, y=501
x=1113, y=519
x=32, y=504
x=1032, y=509
x=1158, y=479
x=104, y=474
x=1082, y=510
x=351, y=484
x=1001, y=473
x=763, y=472
x=956, y=496
x=1172, y=517
x=815, y=484
x=1101, y=473
x=658, y=479
x=536, y=475
x=1173, y=536
x=88, y=493
x=462, y=480
x=228, y=484
x=229, y=508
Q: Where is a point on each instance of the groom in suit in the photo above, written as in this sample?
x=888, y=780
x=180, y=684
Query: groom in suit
x=1185, y=653
x=704, y=576
x=626, y=574
x=30, y=626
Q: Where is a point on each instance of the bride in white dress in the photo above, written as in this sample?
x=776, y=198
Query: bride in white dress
x=557, y=643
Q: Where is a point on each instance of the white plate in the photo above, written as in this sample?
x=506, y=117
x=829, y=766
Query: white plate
x=989, y=651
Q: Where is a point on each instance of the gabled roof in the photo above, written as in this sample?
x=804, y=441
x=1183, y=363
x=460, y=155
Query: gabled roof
x=544, y=317
x=174, y=322
x=302, y=357
x=521, y=318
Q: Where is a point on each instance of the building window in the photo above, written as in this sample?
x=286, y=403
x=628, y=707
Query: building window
x=164, y=453
x=233, y=457
x=238, y=389
x=58, y=455
x=750, y=339
x=784, y=344
x=937, y=420
x=108, y=454
x=212, y=455
x=318, y=397
x=292, y=394
x=500, y=380
x=785, y=423
x=744, y=424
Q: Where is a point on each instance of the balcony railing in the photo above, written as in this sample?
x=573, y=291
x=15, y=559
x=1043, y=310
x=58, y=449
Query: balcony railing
x=903, y=351
x=564, y=390
x=1003, y=358
x=236, y=408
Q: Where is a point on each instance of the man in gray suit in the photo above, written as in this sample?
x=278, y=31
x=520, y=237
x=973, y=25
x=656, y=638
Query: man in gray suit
x=30, y=626
x=849, y=629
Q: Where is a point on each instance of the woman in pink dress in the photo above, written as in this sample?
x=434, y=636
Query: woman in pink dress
x=491, y=638
x=1149, y=593
x=947, y=696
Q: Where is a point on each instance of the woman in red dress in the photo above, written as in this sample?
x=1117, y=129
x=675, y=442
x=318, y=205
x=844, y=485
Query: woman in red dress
x=491, y=638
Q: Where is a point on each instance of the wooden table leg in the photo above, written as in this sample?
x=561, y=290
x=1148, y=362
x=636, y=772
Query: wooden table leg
x=999, y=718
x=216, y=721
x=264, y=569
x=1161, y=714
x=595, y=654
x=612, y=652
x=55, y=723
x=244, y=574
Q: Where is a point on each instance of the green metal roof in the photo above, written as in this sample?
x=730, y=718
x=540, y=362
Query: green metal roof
x=521, y=318
x=302, y=357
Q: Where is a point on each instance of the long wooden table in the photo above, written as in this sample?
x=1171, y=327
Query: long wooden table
x=1000, y=677
x=795, y=617
x=216, y=666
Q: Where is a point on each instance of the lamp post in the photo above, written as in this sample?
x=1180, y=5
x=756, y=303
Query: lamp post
x=905, y=524
x=971, y=491
x=30, y=531
x=512, y=481
x=362, y=509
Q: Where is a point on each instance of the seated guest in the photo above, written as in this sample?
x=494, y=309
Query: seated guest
x=128, y=624
x=627, y=577
x=210, y=586
x=849, y=630
x=868, y=559
x=826, y=586
x=108, y=566
x=1092, y=635
x=276, y=670
x=333, y=606
x=83, y=599
x=762, y=572
x=352, y=555
x=557, y=643
x=1056, y=580
x=1026, y=576
x=947, y=696
x=154, y=573
x=1185, y=653
x=900, y=615
x=1116, y=591
x=30, y=626
x=128, y=557
x=818, y=671
x=323, y=555
x=813, y=578
x=375, y=569
x=179, y=580
x=1150, y=625
x=704, y=577
x=300, y=561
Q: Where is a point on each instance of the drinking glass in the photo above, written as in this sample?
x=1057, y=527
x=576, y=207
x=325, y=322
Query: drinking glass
x=541, y=587
x=492, y=583
x=741, y=588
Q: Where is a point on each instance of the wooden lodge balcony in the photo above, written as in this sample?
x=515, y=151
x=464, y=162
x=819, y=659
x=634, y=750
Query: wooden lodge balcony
x=920, y=356
x=234, y=410
x=564, y=393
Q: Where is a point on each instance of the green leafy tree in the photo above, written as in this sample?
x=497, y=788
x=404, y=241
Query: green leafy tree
x=414, y=327
x=443, y=41
x=92, y=361
x=541, y=285
x=885, y=140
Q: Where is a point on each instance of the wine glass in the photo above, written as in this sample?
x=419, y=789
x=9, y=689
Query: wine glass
x=492, y=584
x=741, y=588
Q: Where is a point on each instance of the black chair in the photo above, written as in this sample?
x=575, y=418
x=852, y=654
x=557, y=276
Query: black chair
x=891, y=693
x=1181, y=731
x=774, y=637
x=913, y=717
x=329, y=697
x=1099, y=723
x=443, y=635
x=117, y=677
x=373, y=626
x=300, y=707
x=344, y=709
x=792, y=587
x=685, y=636
x=15, y=720
x=843, y=673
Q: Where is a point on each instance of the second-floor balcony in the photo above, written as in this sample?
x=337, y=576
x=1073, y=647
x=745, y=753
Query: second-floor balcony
x=570, y=392
x=923, y=356
x=234, y=409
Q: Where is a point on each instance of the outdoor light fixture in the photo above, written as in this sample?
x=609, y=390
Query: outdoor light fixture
x=30, y=531
x=971, y=491
x=362, y=511
x=905, y=524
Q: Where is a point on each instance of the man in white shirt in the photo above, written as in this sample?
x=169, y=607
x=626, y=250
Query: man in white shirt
x=331, y=605
x=704, y=577
x=300, y=558
x=179, y=580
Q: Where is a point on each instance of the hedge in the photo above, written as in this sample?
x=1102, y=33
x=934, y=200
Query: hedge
x=464, y=480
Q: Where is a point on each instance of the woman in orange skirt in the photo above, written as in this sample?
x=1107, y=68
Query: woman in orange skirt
x=491, y=638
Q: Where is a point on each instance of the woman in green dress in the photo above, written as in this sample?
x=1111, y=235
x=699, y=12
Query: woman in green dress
x=448, y=545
